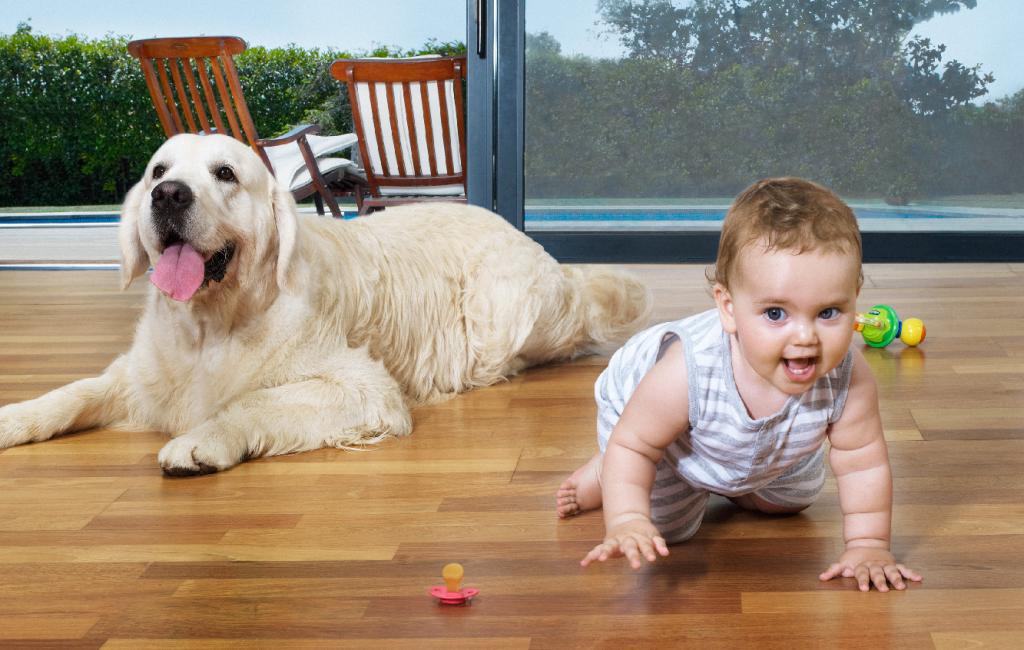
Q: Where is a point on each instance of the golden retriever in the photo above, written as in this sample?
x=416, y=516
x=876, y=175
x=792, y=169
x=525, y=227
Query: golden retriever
x=270, y=332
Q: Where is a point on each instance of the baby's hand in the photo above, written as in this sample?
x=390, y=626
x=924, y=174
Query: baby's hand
x=869, y=566
x=636, y=539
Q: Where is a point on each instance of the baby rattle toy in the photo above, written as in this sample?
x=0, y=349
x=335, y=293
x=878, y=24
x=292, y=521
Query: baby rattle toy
x=449, y=593
x=880, y=326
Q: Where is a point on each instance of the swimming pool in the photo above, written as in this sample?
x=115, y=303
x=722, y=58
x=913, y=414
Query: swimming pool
x=83, y=219
x=717, y=214
x=596, y=218
x=871, y=217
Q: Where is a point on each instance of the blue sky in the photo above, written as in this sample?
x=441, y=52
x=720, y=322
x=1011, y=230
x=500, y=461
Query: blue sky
x=988, y=34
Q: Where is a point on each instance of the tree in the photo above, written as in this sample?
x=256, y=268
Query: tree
x=542, y=43
x=930, y=92
x=841, y=42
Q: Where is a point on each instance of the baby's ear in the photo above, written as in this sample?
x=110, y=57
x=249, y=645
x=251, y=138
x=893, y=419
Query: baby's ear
x=723, y=299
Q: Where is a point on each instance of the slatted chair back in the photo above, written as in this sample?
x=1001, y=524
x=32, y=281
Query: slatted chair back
x=409, y=116
x=195, y=88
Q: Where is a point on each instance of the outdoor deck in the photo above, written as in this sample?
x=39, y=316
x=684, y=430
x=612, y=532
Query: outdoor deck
x=338, y=549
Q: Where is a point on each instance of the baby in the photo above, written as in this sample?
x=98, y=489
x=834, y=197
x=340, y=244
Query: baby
x=739, y=400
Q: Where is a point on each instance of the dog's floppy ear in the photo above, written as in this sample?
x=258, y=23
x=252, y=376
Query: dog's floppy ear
x=134, y=260
x=286, y=221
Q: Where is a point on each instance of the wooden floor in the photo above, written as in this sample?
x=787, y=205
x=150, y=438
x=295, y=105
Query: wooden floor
x=338, y=549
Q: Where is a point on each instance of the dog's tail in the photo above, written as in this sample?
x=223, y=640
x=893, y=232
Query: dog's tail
x=615, y=305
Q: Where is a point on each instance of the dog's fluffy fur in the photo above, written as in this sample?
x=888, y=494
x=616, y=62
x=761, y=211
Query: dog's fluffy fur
x=321, y=332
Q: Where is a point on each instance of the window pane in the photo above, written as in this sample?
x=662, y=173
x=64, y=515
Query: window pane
x=653, y=114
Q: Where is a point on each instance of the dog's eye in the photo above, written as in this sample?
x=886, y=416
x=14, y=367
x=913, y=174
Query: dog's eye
x=225, y=174
x=159, y=171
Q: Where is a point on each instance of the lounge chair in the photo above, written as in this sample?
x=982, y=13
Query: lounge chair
x=408, y=116
x=178, y=73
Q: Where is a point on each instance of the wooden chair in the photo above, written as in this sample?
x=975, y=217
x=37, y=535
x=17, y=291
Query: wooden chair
x=195, y=88
x=408, y=115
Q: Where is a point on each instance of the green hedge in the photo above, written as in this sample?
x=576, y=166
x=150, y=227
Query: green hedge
x=77, y=125
x=650, y=128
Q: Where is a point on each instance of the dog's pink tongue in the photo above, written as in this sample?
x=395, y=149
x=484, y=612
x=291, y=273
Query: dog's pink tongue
x=179, y=272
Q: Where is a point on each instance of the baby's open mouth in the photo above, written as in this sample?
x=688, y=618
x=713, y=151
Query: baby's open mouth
x=800, y=369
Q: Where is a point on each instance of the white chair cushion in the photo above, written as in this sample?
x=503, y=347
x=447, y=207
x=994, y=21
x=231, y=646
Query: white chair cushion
x=423, y=190
x=386, y=162
x=289, y=166
x=326, y=165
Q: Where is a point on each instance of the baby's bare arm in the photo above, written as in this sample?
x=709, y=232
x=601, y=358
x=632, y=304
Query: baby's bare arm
x=860, y=462
x=655, y=415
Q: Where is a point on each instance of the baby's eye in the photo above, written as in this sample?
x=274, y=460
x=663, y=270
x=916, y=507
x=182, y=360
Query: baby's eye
x=829, y=314
x=775, y=313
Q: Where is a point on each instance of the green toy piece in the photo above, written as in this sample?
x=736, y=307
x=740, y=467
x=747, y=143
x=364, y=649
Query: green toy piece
x=880, y=326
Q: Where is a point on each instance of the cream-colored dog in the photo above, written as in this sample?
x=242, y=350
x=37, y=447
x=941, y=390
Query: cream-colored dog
x=270, y=332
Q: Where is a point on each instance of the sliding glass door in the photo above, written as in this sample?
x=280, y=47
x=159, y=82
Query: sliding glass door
x=640, y=119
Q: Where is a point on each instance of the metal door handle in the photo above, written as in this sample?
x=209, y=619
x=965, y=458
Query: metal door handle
x=481, y=28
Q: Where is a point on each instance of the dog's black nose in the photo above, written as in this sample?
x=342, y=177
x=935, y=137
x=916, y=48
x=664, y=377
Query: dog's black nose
x=171, y=196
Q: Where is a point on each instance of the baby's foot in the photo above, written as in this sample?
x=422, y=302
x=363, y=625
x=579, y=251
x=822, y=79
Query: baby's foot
x=581, y=491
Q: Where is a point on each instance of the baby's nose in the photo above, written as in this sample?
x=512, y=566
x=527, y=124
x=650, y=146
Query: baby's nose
x=806, y=334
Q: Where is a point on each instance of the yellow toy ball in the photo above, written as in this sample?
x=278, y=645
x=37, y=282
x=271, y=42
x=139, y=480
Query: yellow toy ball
x=912, y=332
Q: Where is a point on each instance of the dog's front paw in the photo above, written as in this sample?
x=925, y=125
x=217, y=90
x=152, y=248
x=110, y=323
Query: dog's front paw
x=199, y=452
x=18, y=426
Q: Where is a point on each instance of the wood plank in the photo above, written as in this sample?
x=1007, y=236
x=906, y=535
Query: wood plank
x=336, y=549
x=44, y=627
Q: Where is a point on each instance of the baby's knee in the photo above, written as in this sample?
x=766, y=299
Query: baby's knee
x=678, y=529
x=677, y=535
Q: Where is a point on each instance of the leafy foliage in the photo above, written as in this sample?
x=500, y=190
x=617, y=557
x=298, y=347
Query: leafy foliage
x=716, y=93
x=75, y=114
x=78, y=124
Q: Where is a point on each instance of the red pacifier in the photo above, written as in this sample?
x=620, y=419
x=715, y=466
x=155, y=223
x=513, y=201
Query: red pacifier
x=449, y=593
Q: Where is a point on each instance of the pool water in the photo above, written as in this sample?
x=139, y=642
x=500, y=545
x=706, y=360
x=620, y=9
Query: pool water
x=708, y=214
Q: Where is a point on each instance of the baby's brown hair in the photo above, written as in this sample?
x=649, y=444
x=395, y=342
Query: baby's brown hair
x=788, y=214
